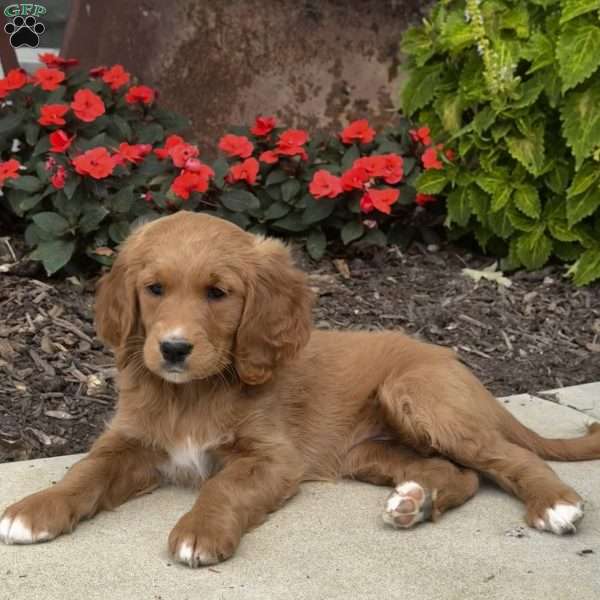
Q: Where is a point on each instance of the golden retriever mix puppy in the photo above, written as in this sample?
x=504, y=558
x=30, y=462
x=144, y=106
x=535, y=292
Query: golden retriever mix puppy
x=224, y=385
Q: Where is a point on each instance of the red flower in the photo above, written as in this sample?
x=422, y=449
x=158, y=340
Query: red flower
x=98, y=71
x=450, y=154
x=49, y=164
x=9, y=170
x=430, y=159
x=140, y=94
x=14, y=80
x=133, y=153
x=423, y=199
x=375, y=166
x=96, y=163
x=236, y=145
x=115, y=77
x=193, y=165
x=263, y=126
x=393, y=168
x=52, y=61
x=291, y=141
x=181, y=153
x=59, y=178
x=381, y=200
x=48, y=79
x=269, y=156
x=421, y=135
x=87, y=106
x=52, y=114
x=355, y=179
x=60, y=141
x=325, y=185
x=245, y=171
x=187, y=182
x=170, y=143
x=358, y=131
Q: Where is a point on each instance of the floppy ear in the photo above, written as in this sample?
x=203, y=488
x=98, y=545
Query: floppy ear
x=276, y=320
x=116, y=311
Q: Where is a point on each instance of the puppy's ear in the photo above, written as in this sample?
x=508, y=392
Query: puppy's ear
x=116, y=312
x=276, y=320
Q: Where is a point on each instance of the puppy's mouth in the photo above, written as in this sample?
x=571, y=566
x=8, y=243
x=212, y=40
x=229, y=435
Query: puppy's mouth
x=175, y=373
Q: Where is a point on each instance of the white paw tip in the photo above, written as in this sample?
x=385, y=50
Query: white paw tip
x=187, y=555
x=561, y=518
x=185, y=552
x=15, y=532
x=404, y=507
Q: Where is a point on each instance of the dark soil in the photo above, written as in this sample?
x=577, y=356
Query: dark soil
x=57, y=381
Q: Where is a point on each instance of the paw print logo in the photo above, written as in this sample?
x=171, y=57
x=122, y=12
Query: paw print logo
x=24, y=32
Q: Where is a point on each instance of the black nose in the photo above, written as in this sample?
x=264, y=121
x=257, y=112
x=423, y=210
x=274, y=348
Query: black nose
x=175, y=351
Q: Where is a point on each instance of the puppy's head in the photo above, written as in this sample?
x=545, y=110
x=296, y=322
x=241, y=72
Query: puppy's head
x=191, y=296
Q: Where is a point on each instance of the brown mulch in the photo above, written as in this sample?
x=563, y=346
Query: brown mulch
x=57, y=381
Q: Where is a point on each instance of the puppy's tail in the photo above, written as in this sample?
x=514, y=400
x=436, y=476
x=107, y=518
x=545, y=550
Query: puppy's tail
x=586, y=447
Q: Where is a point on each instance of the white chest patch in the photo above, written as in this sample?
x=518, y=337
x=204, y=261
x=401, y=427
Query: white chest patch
x=188, y=464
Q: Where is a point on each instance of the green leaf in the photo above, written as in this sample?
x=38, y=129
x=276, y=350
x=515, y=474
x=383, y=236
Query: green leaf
x=221, y=168
x=417, y=43
x=499, y=223
x=480, y=203
x=10, y=122
x=277, y=210
x=587, y=268
x=534, y=248
x=92, y=217
x=150, y=134
x=528, y=92
x=71, y=185
x=420, y=88
x=539, y=51
x=584, y=178
x=558, y=178
x=123, y=199
x=449, y=110
x=567, y=251
x=562, y=232
x=70, y=208
x=574, y=8
x=239, y=200
x=119, y=128
x=317, y=210
x=30, y=202
x=291, y=222
x=275, y=177
x=501, y=197
x=27, y=183
x=352, y=231
x=374, y=237
x=42, y=146
x=456, y=34
x=578, y=52
x=289, y=189
x=432, y=181
x=484, y=119
x=519, y=221
x=350, y=156
x=118, y=231
x=581, y=121
x=458, y=207
x=552, y=84
x=51, y=223
x=54, y=254
x=32, y=131
x=581, y=206
x=316, y=244
x=529, y=151
x=528, y=201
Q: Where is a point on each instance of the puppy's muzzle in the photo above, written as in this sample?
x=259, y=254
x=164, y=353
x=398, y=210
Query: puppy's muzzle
x=175, y=351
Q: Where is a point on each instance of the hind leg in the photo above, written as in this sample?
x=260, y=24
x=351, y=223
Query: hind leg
x=450, y=413
x=424, y=487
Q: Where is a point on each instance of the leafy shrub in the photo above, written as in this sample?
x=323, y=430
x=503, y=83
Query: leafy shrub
x=80, y=162
x=514, y=85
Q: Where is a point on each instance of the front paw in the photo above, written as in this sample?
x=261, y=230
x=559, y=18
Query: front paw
x=196, y=543
x=37, y=518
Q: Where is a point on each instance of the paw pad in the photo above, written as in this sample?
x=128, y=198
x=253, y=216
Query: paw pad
x=408, y=505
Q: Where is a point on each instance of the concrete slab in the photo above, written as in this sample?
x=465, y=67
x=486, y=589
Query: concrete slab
x=585, y=398
x=328, y=543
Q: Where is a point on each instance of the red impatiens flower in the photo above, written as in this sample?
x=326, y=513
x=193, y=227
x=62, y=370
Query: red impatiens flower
x=393, y=168
x=269, y=157
x=423, y=199
x=325, y=185
x=98, y=71
x=96, y=163
x=187, y=182
x=380, y=200
x=48, y=79
x=291, y=143
x=9, y=170
x=133, y=153
x=430, y=159
x=140, y=94
x=358, y=131
x=59, y=178
x=236, y=145
x=450, y=154
x=373, y=165
x=170, y=143
x=52, y=114
x=87, y=106
x=52, y=61
x=245, y=171
x=60, y=141
x=421, y=135
x=263, y=126
x=193, y=165
x=355, y=179
x=181, y=153
x=14, y=80
x=115, y=77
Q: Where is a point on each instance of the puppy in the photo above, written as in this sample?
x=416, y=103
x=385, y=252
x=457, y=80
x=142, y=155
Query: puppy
x=224, y=385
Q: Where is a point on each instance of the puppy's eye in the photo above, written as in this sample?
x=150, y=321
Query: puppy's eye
x=215, y=293
x=156, y=289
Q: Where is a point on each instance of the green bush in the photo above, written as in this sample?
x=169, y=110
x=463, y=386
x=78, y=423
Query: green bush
x=514, y=86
